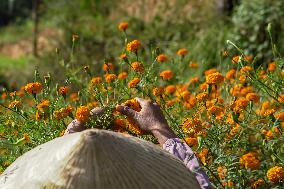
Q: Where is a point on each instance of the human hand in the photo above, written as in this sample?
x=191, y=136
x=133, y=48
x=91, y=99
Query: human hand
x=77, y=126
x=149, y=119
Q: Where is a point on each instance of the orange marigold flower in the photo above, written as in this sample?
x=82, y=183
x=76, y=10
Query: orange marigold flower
x=236, y=59
x=191, y=141
x=214, y=78
x=246, y=69
x=16, y=104
x=43, y=105
x=193, y=65
x=201, y=97
x=96, y=80
x=231, y=74
x=252, y=97
x=122, y=75
x=123, y=56
x=62, y=113
x=242, y=103
x=258, y=183
x=170, y=89
x=269, y=112
x=133, y=46
x=222, y=172
x=63, y=90
x=167, y=74
x=194, y=80
x=27, y=138
x=133, y=83
x=108, y=66
x=75, y=37
x=158, y=91
x=138, y=67
x=203, y=86
x=123, y=26
x=182, y=52
x=210, y=71
x=249, y=161
x=74, y=97
x=202, y=155
x=281, y=98
x=215, y=110
x=162, y=58
x=110, y=78
x=133, y=104
x=275, y=174
x=271, y=67
x=83, y=114
x=33, y=88
x=280, y=116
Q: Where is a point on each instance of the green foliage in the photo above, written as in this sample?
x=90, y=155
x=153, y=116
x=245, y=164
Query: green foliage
x=249, y=27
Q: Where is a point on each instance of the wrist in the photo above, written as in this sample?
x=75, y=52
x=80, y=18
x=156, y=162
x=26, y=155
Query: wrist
x=163, y=134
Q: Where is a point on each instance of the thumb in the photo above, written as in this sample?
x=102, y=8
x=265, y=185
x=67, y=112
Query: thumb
x=126, y=111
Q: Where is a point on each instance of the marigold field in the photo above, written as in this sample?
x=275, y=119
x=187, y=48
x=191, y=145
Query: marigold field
x=232, y=116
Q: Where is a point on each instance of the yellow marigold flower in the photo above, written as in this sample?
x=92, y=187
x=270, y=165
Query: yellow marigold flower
x=167, y=74
x=275, y=174
x=83, y=114
x=280, y=116
x=110, y=78
x=201, y=97
x=191, y=141
x=210, y=71
x=133, y=83
x=231, y=74
x=96, y=80
x=170, y=89
x=63, y=90
x=16, y=104
x=193, y=65
x=249, y=161
x=194, y=80
x=33, y=88
x=182, y=52
x=271, y=67
x=133, y=46
x=43, y=105
x=214, y=78
x=108, y=66
x=123, y=26
x=138, y=67
x=122, y=75
x=252, y=97
x=123, y=56
x=258, y=183
x=162, y=58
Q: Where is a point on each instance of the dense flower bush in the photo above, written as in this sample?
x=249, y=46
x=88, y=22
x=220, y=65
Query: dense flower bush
x=232, y=116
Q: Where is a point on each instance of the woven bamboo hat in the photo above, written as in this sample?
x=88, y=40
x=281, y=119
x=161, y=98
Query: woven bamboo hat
x=97, y=159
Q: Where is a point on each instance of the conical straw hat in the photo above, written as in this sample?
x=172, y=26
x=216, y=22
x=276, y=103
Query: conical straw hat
x=97, y=159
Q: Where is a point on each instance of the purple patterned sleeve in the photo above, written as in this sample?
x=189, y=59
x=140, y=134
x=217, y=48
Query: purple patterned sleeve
x=182, y=151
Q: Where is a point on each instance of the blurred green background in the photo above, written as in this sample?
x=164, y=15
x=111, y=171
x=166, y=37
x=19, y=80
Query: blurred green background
x=38, y=33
